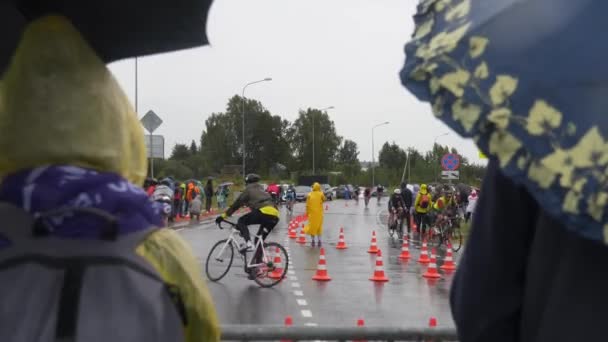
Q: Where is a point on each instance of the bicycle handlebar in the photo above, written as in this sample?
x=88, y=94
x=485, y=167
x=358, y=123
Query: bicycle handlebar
x=232, y=224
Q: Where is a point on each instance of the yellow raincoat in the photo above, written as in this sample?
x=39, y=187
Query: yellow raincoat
x=314, y=210
x=59, y=104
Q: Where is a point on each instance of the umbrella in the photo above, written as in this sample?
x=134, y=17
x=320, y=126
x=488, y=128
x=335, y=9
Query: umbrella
x=115, y=29
x=526, y=80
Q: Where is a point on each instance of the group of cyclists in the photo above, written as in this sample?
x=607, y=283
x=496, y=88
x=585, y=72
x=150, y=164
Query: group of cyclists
x=426, y=206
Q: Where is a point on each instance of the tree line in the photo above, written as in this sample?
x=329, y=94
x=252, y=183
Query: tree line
x=279, y=149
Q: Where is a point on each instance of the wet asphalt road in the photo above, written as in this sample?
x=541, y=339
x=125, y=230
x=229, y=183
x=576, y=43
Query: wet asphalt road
x=407, y=299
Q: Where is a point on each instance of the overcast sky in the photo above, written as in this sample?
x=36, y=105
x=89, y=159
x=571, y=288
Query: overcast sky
x=320, y=53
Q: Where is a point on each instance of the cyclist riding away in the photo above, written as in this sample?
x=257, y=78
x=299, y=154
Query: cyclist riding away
x=396, y=208
x=422, y=206
x=263, y=211
x=274, y=191
x=379, y=192
x=290, y=197
x=367, y=194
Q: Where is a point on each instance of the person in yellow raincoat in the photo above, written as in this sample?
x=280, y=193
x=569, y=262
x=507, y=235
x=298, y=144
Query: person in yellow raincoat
x=314, y=211
x=68, y=136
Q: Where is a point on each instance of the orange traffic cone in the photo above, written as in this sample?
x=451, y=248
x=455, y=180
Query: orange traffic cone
x=322, y=268
x=373, y=248
x=302, y=238
x=432, y=322
x=292, y=233
x=424, y=254
x=326, y=207
x=448, y=262
x=341, y=244
x=278, y=271
x=379, y=269
x=431, y=271
x=413, y=224
x=405, y=249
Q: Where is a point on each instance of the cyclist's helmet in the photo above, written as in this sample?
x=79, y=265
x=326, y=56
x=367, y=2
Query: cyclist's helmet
x=397, y=191
x=252, y=178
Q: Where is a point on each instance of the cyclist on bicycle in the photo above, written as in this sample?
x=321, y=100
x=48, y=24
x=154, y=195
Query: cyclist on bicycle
x=274, y=191
x=263, y=211
x=422, y=206
x=367, y=194
x=290, y=196
x=396, y=206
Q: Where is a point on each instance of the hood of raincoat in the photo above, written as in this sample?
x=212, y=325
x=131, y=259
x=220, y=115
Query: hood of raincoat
x=423, y=189
x=316, y=187
x=75, y=113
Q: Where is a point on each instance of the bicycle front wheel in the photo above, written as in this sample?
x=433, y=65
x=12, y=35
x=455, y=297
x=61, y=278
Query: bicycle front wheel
x=456, y=239
x=219, y=260
x=275, y=263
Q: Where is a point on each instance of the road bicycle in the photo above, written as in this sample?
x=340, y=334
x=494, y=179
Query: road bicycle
x=446, y=229
x=268, y=266
x=395, y=224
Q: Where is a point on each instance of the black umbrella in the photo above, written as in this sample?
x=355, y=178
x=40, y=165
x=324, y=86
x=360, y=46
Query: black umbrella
x=115, y=29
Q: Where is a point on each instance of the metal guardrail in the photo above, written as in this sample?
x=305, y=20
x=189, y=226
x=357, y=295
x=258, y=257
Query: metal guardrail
x=270, y=333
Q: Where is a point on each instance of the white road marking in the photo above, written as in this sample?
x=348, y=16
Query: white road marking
x=298, y=293
x=293, y=278
x=306, y=313
x=291, y=272
x=311, y=324
x=295, y=284
x=302, y=302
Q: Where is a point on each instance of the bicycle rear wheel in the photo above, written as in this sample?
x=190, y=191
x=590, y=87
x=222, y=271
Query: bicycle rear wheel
x=275, y=266
x=219, y=260
x=435, y=236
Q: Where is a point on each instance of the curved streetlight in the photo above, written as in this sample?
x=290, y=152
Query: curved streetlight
x=267, y=79
x=313, y=137
x=374, y=153
x=437, y=161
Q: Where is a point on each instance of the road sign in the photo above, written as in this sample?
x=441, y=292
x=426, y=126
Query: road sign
x=158, y=146
x=450, y=162
x=450, y=175
x=151, y=121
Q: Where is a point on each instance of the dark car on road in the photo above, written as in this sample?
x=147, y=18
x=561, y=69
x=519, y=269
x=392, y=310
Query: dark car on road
x=342, y=189
x=301, y=192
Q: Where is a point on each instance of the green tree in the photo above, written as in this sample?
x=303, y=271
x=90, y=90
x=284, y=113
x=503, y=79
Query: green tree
x=326, y=140
x=265, y=137
x=348, y=158
x=180, y=152
x=193, y=148
x=392, y=156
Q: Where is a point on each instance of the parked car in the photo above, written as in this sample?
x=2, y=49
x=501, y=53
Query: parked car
x=327, y=191
x=301, y=192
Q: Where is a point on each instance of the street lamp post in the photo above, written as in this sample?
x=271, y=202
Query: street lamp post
x=374, y=153
x=313, y=137
x=437, y=161
x=243, y=114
